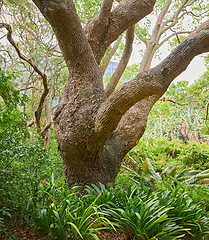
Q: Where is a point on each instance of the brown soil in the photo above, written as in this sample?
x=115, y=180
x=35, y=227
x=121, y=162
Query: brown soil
x=27, y=233
x=23, y=232
x=108, y=235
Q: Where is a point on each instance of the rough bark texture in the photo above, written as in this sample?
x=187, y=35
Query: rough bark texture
x=94, y=131
x=122, y=17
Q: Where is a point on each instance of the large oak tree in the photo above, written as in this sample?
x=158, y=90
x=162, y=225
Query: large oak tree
x=96, y=128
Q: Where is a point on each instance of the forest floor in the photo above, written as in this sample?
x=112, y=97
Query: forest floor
x=27, y=233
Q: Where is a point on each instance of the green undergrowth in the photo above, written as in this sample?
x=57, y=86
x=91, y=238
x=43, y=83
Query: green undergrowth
x=138, y=211
x=156, y=162
x=33, y=192
x=163, y=153
x=156, y=205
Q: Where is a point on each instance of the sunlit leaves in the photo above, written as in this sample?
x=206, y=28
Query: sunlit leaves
x=87, y=9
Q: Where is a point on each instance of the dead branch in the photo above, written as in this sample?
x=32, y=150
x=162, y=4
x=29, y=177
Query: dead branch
x=163, y=99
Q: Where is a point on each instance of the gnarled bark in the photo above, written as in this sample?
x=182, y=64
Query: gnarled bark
x=121, y=18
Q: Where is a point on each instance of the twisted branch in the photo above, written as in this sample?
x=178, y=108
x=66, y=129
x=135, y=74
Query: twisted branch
x=36, y=69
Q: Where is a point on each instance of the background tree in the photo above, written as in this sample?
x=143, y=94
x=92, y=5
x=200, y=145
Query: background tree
x=95, y=129
x=35, y=54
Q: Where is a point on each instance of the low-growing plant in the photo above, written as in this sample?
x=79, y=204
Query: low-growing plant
x=184, y=212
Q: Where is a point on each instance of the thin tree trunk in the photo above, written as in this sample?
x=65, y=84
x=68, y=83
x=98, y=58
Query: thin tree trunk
x=112, y=84
x=154, y=40
x=104, y=66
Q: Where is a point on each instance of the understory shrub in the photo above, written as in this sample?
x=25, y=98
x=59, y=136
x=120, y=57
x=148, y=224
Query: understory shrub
x=137, y=211
x=163, y=153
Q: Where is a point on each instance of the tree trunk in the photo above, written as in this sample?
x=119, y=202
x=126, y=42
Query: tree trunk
x=94, y=132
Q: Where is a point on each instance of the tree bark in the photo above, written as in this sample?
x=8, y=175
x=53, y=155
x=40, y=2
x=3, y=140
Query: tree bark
x=126, y=14
x=148, y=55
x=94, y=132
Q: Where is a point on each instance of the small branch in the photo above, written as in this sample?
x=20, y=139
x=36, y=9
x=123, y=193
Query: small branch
x=3, y=36
x=172, y=35
x=37, y=70
x=53, y=108
x=123, y=62
x=104, y=66
x=30, y=124
x=44, y=131
x=23, y=89
x=4, y=50
x=174, y=19
x=169, y=100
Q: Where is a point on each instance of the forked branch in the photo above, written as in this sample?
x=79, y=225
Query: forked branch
x=152, y=82
x=121, y=18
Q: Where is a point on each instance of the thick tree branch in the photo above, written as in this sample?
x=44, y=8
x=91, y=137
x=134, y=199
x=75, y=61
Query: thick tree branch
x=152, y=82
x=37, y=70
x=62, y=16
x=123, y=62
x=121, y=18
x=100, y=21
x=130, y=129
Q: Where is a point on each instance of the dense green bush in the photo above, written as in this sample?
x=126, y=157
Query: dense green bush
x=24, y=160
x=163, y=153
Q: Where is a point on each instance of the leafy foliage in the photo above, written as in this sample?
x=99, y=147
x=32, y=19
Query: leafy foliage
x=163, y=153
